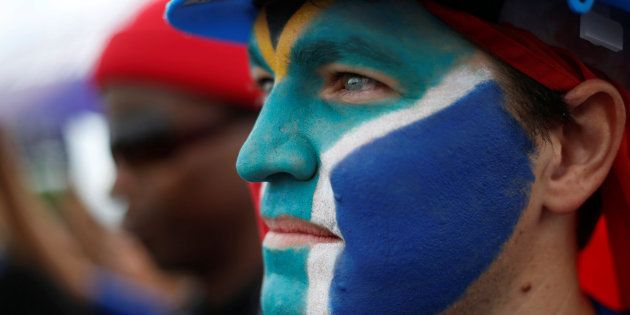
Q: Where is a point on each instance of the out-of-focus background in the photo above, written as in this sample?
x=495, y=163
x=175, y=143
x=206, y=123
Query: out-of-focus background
x=47, y=50
x=165, y=227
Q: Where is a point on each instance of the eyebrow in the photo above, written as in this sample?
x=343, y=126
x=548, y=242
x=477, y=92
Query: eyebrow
x=322, y=52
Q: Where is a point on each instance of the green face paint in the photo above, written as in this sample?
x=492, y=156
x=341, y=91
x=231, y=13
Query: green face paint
x=346, y=74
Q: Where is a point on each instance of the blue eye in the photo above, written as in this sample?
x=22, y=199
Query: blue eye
x=356, y=83
x=344, y=86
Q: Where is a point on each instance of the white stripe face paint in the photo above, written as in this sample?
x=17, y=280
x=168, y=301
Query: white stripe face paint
x=320, y=270
x=321, y=261
x=263, y=190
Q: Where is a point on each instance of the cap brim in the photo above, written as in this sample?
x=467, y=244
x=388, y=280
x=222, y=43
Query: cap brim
x=229, y=20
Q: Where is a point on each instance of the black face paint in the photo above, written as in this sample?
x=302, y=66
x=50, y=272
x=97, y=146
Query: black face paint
x=281, y=11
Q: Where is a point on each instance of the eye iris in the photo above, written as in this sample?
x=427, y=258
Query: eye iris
x=356, y=83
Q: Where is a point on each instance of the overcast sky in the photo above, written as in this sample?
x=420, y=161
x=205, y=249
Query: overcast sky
x=50, y=40
x=44, y=43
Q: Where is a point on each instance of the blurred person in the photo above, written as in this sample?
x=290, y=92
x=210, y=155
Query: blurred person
x=179, y=109
x=23, y=288
x=26, y=290
x=46, y=268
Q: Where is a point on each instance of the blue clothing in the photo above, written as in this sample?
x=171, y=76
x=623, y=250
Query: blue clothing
x=603, y=310
x=118, y=296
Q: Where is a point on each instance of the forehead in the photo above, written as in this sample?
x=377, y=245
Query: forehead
x=380, y=30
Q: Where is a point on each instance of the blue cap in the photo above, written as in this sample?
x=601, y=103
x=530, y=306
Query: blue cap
x=583, y=6
x=229, y=20
x=232, y=20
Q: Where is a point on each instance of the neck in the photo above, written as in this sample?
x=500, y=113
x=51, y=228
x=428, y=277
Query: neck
x=535, y=274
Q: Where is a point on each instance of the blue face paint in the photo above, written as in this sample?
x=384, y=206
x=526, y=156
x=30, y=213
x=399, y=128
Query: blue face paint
x=387, y=176
x=427, y=208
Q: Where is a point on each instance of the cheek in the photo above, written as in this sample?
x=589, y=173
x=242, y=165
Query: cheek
x=152, y=186
x=426, y=209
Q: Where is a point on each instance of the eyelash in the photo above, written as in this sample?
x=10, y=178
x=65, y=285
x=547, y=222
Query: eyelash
x=336, y=87
x=265, y=84
x=370, y=90
x=341, y=78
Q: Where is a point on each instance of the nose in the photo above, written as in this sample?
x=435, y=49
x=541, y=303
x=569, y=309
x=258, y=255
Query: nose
x=259, y=161
x=270, y=151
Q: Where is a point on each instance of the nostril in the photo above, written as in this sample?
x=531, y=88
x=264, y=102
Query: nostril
x=278, y=177
x=264, y=161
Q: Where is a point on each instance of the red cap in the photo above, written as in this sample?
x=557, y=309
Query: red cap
x=148, y=49
x=604, y=265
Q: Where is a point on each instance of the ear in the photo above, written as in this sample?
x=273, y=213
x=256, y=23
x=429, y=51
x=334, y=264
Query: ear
x=584, y=149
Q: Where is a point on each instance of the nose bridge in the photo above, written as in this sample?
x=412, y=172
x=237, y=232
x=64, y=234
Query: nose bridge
x=278, y=144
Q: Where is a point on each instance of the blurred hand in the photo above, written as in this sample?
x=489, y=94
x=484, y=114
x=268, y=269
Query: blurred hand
x=74, y=252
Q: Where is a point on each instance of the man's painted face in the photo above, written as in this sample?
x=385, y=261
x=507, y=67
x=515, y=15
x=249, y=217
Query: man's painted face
x=393, y=173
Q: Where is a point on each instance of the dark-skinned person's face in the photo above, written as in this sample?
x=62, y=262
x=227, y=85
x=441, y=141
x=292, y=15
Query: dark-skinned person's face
x=393, y=173
x=175, y=155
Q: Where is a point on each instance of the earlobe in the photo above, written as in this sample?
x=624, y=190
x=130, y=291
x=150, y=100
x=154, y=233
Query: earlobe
x=584, y=148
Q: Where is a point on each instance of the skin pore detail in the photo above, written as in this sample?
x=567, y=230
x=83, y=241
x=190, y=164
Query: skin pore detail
x=395, y=139
x=436, y=217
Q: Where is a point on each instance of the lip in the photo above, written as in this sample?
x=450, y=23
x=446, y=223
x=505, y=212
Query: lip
x=287, y=232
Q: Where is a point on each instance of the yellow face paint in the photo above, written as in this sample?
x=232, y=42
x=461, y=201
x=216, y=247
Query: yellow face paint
x=278, y=59
x=263, y=39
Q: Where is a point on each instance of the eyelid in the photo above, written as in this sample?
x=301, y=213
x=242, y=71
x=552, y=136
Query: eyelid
x=334, y=88
x=260, y=73
x=327, y=70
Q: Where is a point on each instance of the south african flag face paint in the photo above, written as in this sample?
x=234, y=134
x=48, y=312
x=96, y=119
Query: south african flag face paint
x=393, y=173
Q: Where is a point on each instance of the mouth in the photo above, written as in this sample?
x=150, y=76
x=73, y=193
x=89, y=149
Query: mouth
x=287, y=232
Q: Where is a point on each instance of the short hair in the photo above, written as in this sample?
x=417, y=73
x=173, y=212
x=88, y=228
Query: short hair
x=539, y=109
x=535, y=106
